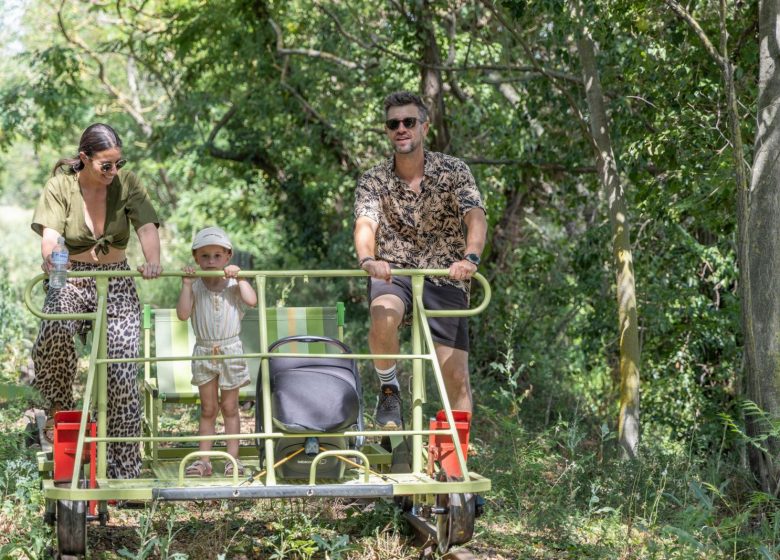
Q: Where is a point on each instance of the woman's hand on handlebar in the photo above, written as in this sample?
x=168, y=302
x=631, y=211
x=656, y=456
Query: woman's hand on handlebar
x=150, y=270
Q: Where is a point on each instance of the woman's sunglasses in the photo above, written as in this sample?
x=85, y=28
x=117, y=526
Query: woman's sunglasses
x=106, y=166
x=408, y=122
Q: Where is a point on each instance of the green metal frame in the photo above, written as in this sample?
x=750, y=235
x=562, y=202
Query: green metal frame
x=416, y=483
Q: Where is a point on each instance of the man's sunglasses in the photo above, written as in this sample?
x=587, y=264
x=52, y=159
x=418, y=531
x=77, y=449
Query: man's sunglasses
x=409, y=122
x=106, y=166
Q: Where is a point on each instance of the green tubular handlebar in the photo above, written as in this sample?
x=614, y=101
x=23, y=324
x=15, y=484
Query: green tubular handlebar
x=254, y=274
x=248, y=355
x=467, y=312
x=53, y=316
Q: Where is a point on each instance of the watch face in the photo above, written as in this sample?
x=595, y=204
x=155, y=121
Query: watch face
x=473, y=259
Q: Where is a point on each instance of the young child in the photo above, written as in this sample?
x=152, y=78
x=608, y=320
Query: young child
x=216, y=306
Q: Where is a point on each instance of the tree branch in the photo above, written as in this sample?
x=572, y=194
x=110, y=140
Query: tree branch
x=531, y=74
x=170, y=187
x=340, y=27
x=750, y=33
x=155, y=18
x=309, y=52
x=254, y=157
x=450, y=26
x=126, y=103
x=145, y=38
x=375, y=43
x=539, y=68
x=132, y=84
x=330, y=135
x=508, y=91
x=555, y=167
x=686, y=16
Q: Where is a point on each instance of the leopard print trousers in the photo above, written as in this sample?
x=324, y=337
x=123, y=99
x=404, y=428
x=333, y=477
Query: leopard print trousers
x=55, y=358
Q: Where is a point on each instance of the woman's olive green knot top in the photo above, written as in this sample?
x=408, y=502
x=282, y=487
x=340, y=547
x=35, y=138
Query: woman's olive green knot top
x=61, y=208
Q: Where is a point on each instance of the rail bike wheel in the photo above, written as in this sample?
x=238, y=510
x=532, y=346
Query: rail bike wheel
x=455, y=514
x=50, y=512
x=71, y=528
x=404, y=503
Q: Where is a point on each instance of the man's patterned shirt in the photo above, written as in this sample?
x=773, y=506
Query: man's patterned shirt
x=423, y=230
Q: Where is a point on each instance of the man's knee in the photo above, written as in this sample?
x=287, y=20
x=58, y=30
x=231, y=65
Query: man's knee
x=387, y=307
x=455, y=368
x=457, y=381
x=381, y=331
x=459, y=376
x=387, y=312
x=454, y=362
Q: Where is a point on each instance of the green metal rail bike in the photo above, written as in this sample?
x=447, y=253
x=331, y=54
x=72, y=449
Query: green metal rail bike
x=419, y=468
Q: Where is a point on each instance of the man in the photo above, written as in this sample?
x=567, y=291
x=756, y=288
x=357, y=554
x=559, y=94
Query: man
x=410, y=212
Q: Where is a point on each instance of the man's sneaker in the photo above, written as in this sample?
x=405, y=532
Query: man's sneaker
x=388, y=409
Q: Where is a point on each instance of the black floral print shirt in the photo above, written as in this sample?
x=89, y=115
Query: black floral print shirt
x=423, y=230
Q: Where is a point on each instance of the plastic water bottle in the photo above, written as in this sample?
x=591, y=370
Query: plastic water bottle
x=59, y=258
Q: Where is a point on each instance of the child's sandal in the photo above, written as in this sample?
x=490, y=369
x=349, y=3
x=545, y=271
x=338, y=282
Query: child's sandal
x=229, y=468
x=199, y=469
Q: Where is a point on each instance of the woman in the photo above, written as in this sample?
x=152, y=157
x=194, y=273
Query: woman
x=92, y=202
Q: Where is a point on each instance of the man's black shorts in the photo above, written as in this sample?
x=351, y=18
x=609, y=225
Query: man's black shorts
x=448, y=331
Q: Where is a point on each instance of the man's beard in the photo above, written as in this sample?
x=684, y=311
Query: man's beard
x=412, y=146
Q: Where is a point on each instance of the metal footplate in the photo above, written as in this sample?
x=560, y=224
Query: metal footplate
x=280, y=491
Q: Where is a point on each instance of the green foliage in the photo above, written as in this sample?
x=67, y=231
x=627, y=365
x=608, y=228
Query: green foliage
x=24, y=532
x=292, y=538
x=17, y=325
x=378, y=517
x=770, y=426
x=152, y=544
x=333, y=549
x=568, y=490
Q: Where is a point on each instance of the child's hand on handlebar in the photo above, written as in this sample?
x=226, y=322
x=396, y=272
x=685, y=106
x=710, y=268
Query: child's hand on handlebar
x=187, y=280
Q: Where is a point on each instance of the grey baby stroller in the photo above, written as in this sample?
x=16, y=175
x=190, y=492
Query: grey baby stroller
x=310, y=396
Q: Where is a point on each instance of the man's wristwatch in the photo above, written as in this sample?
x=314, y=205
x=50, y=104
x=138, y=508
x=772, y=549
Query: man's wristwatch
x=364, y=260
x=473, y=258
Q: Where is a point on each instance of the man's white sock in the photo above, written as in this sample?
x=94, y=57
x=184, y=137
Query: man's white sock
x=387, y=376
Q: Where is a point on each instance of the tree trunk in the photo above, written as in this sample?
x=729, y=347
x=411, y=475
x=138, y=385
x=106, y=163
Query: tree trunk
x=628, y=421
x=760, y=255
x=431, y=80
